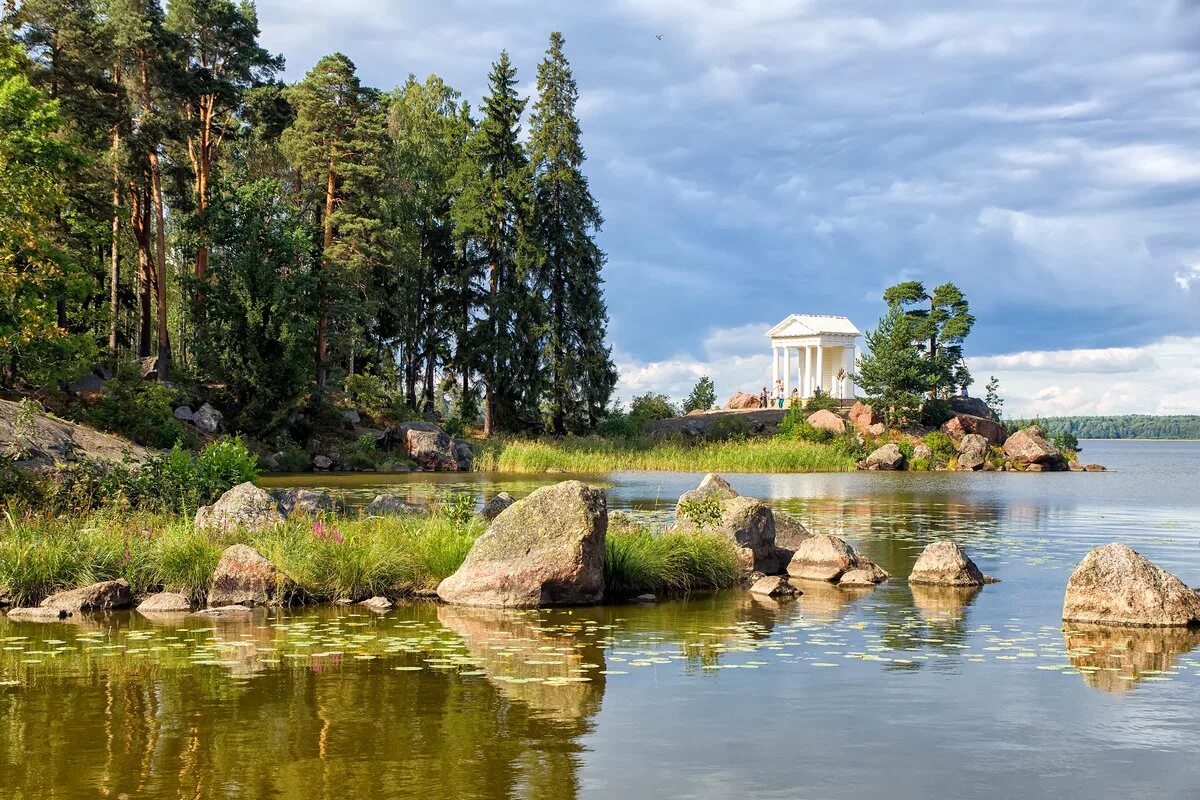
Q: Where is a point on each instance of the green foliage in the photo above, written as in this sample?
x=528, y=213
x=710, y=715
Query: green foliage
x=935, y=411
x=703, y=512
x=458, y=507
x=907, y=448
x=894, y=374
x=703, y=396
x=820, y=401
x=455, y=428
x=651, y=406
x=141, y=410
x=1129, y=426
x=369, y=394
x=941, y=445
x=294, y=459
x=640, y=560
x=993, y=399
x=938, y=329
x=1067, y=441
x=795, y=425
x=366, y=443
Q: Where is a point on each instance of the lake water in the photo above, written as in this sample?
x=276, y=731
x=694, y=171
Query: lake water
x=894, y=692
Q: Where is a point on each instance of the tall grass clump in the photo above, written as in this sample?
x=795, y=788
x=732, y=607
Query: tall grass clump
x=594, y=454
x=639, y=560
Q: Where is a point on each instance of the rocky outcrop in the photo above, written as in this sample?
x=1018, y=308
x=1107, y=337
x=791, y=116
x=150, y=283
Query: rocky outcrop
x=303, y=501
x=973, y=451
x=974, y=406
x=429, y=446
x=244, y=506
x=945, y=564
x=774, y=586
x=41, y=440
x=960, y=425
x=746, y=521
x=862, y=417
x=1116, y=585
x=389, y=505
x=492, y=508
x=208, y=419
x=544, y=550
x=828, y=558
x=887, y=457
x=243, y=577
x=742, y=400
x=102, y=596
x=1028, y=447
x=165, y=603
x=827, y=420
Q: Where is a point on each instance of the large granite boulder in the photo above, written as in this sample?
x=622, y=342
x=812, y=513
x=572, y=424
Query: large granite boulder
x=748, y=522
x=429, y=446
x=165, y=603
x=464, y=454
x=973, y=450
x=862, y=417
x=1029, y=446
x=244, y=506
x=828, y=558
x=975, y=406
x=945, y=564
x=244, y=578
x=827, y=420
x=389, y=505
x=789, y=532
x=741, y=400
x=544, y=550
x=887, y=457
x=492, y=508
x=102, y=596
x=208, y=419
x=960, y=425
x=303, y=501
x=1116, y=585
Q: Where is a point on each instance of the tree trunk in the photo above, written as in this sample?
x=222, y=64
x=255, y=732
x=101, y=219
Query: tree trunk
x=489, y=409
x=160, y=283
x=114, y=256
x=322, y=304
x=139, y=222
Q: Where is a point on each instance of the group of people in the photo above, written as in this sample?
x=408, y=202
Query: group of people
x=776, y=398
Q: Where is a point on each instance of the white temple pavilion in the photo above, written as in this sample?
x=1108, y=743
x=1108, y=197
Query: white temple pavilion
x=824, y=347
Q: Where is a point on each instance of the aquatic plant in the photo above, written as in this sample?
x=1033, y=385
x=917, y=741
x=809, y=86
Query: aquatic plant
x=640, y=560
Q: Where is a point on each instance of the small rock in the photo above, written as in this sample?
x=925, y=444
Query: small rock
x=774, y=586
x=185, y=414
x=377, y=603
x=38, y=614
x=244, y=506
x=208, y=419
x=303, y=501
x=827, y=420
x=223, y=611
x=164, y=602
x=878, y=429
x=1095, y=468
x=645, y=598
x=888, y=457
x=863, y=577
x=492, y=508
x=388, y=505
x=945, y=564
x=921, y=452
x=102, y=596
x=322, y=463
x=828, y=558
x=553, y=471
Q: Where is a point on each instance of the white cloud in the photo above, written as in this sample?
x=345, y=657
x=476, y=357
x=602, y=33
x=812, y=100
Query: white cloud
x=1186, y=278
x=1108, y=359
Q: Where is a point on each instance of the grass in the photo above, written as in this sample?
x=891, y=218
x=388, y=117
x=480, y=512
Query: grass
x=594, y=454
x=341, y=558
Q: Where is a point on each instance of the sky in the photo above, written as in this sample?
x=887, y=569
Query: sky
x=757, y=158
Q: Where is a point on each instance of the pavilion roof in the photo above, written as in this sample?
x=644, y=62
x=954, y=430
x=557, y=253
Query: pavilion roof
x=813, y=325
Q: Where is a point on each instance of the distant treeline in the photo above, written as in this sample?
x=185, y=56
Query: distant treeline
x=1127, y=426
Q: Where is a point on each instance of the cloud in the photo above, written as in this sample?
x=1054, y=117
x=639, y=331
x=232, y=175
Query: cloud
x=1107, y=360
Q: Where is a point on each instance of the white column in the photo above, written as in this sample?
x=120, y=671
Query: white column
x=806, y=389
x=774, y=366
x=821, y=370
x=848, y=365
x=787, y=370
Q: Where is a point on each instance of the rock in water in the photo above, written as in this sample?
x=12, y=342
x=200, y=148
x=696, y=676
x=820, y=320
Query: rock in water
x=887, y=457
x=712, y=485
x=973, y=452
x=828, y=558
x=1115, y=585
x=164, y=602
x=774, y=586
x=244, y=506
x=1029, y=446
x=545, y=550
x=827, y=420
x=102, y=596
x=38, y=614
x=303, y=501
x=748, y=522
x=945, y=564
x=492, y=508
x=377, y=604
x=388, y=505
x=244, y=577
x=429, y=446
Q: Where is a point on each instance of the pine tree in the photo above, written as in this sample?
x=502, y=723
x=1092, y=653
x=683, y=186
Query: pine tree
x=894, y=374
x=493, y=210
x=333, y=146
x=703, y=396
x=942, y=327
x=565, y=258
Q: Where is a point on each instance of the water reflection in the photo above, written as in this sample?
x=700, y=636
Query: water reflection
x=1117, y=659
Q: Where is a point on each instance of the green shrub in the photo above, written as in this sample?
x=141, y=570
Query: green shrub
x=820, y=401
x=141, y=410
x=940, y=444
x=651, y=406
x=703, y=512
x=365, y=443
x=458, y=507
x=919, y=465
x=934, y=412
x=795, y=425
x=1066, y=441
x=369, y=394
x=906, y=447
x=455, y=428
x=294, y=459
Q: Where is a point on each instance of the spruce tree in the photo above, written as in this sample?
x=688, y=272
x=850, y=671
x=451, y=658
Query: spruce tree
x=564, y=256
x=894, y=374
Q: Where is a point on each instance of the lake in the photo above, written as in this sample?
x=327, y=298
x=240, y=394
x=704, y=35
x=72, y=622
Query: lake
x=896, y=692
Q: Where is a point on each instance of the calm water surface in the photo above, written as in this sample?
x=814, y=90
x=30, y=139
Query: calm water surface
x=895, y=692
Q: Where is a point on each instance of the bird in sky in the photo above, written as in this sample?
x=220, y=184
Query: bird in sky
x=659, y=37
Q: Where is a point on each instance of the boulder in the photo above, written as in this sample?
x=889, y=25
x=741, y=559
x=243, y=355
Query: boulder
x=351, y=416
x=742, y=400
x=862, y=417
x=1095, y=468
x=244, y=506
x=960, y=425
x=974, y=406
x=90, y=384
x=863, y=576
x=878, y=429
x=464, y=454
x=38, y=614
x=243, y=577
x=164, y=602
x=322, y=463
x=645, y=598
x=1029, y=446
x=388, y=505
x=185, y=414
x=208, y=419
x=544, y=550
x=303, y=501
x=492, y=508
x=41, y=440
x=973, y=451
x=148, y=368
x=828, y=558
x=102, y=596
x=789, y=531
x=921, y=452
x=429, y=446
x=712, y=485
x=1116, y=585
x=944, y=563
x=774, y=586
x=748, y=522
x=377, y=604
x=827, y=420
x=887, y=457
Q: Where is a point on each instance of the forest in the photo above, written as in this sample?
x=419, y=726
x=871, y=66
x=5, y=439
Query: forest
x=1127, y=426
x=168, y=204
